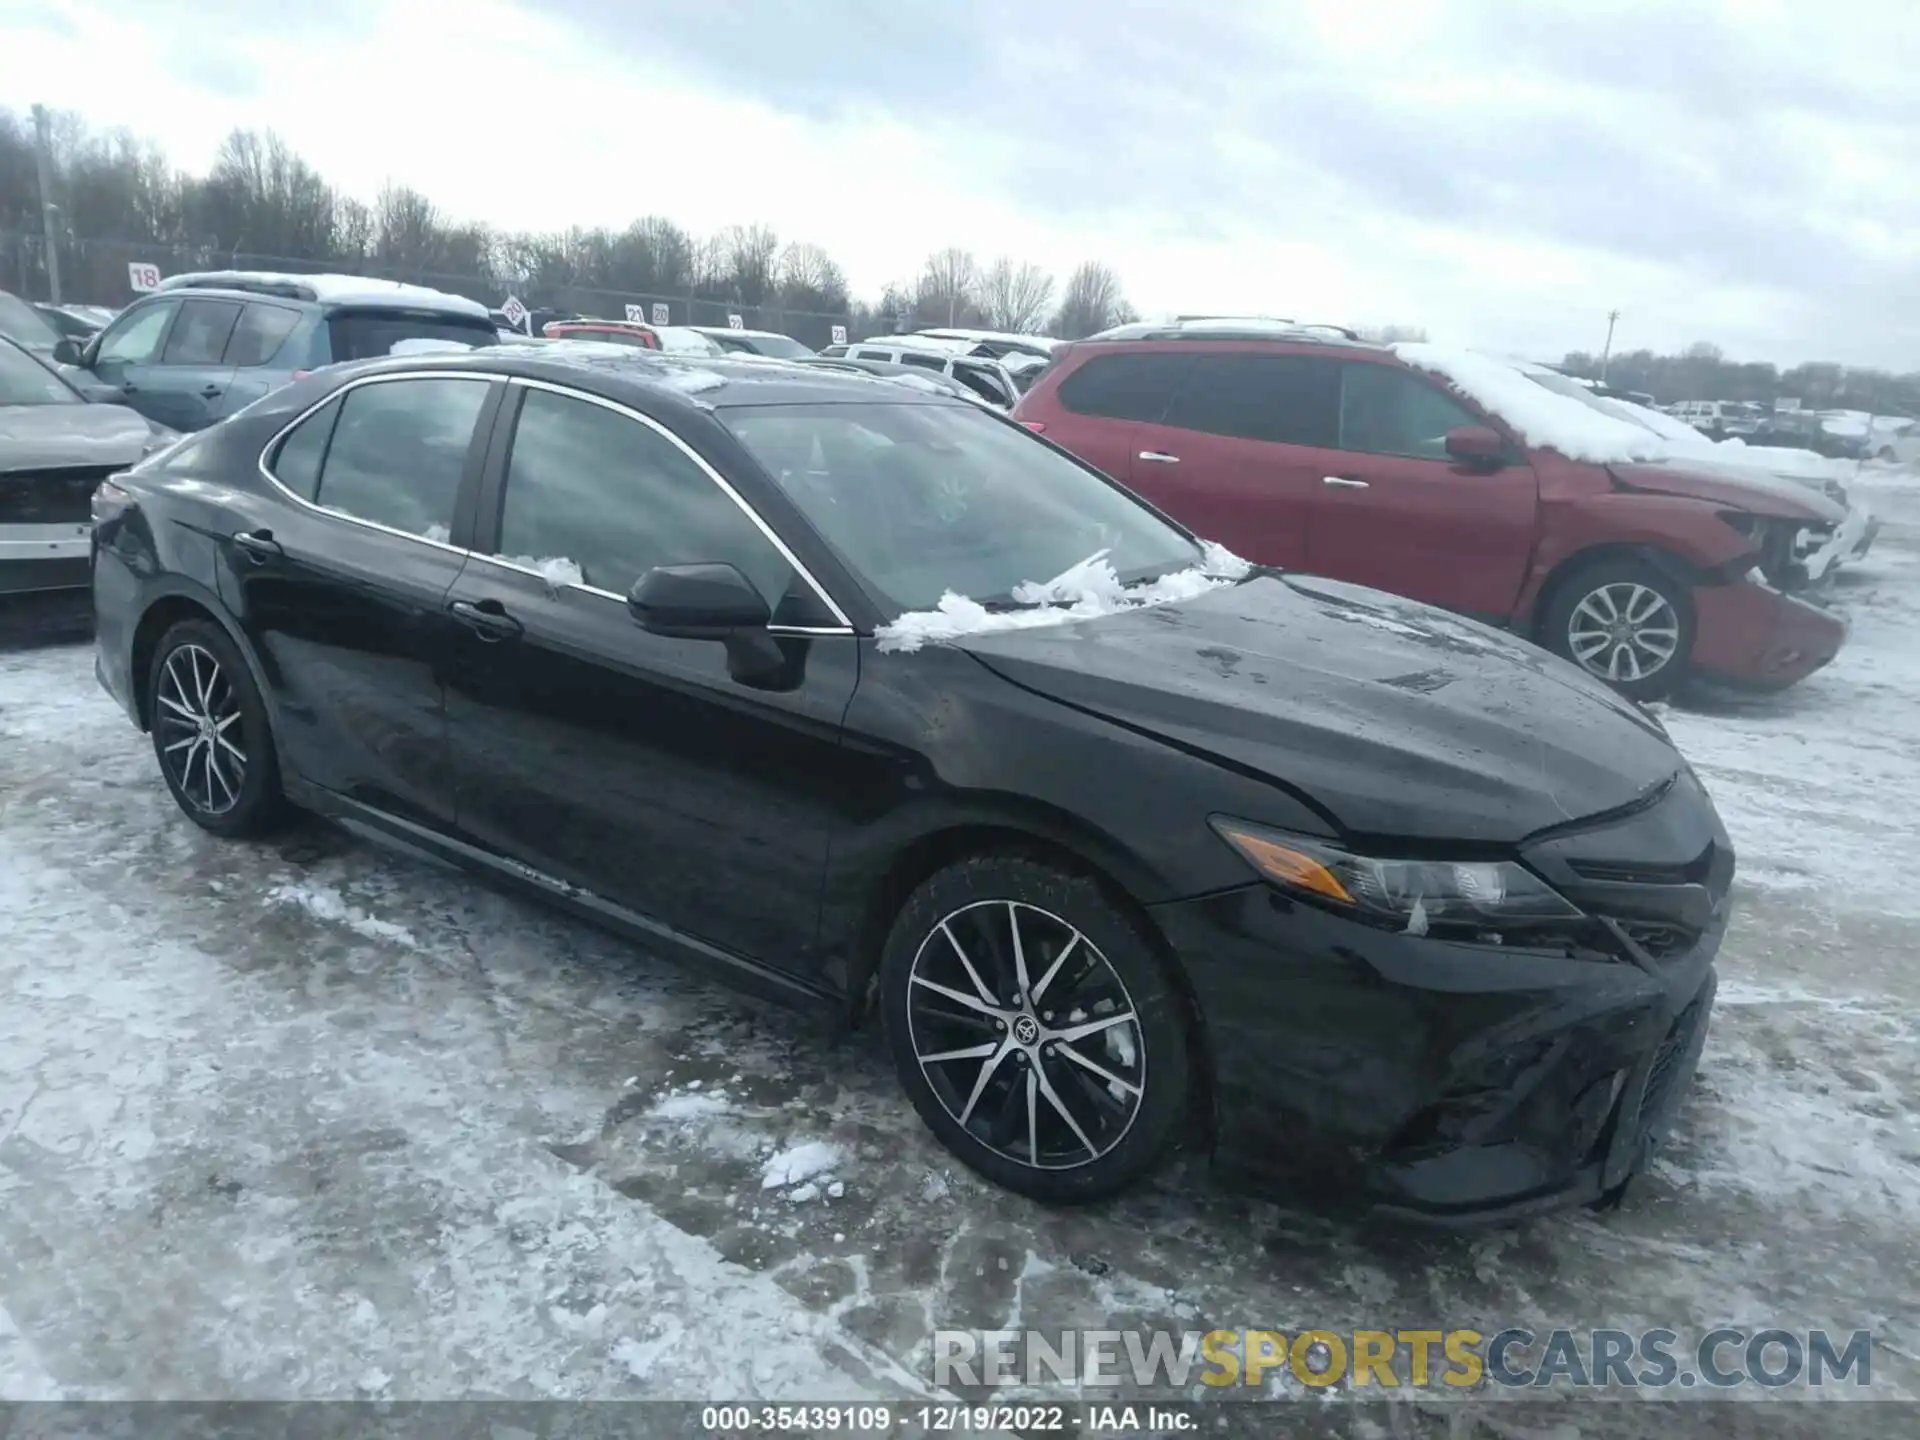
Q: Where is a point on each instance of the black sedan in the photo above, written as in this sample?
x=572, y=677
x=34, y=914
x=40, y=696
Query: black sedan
x=867, y=697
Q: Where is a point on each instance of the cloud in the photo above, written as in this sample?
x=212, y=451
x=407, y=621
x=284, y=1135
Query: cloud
x=1503, y=175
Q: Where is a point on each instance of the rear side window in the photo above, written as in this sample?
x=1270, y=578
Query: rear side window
x=923, y=362
x=1282, y=399
x=259, y=335
x=870, y=355
x=1124, y=387
x=1388, y=411
x=369, y=334
x=199, y=336
x=296, y=464
x=398, y=452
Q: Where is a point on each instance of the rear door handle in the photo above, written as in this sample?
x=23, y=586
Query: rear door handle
x=259, y=544
x=486, y=618
x=211, y=392
x=1161, y=456
x=1343, y=482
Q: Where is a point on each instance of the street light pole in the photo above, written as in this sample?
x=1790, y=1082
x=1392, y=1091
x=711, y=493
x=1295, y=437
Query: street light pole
x=43, y=165
x=1607, y=350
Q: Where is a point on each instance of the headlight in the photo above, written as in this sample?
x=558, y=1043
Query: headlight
x=1408, y=895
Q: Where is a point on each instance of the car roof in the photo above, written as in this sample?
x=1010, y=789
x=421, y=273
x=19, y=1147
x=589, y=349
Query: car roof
x=1009, y=337
x=1228, y=327
x=729, y=330
x=343, y=290
x=922, y=344
x=655, y=379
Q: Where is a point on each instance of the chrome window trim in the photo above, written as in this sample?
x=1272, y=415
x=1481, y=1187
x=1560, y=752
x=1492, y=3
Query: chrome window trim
x=327, y=400
x=845, y=626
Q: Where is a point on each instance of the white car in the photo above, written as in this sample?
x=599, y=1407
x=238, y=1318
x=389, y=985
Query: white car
x=1900, y=447
x=998, y=343
x=985, y=376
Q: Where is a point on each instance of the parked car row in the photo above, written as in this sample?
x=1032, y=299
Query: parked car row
x=862, y=695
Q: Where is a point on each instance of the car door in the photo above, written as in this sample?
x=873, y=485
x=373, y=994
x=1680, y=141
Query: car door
x=1393, y=510
x=340, y=577
x=186, y=387
x=1100, y=405
x=125, y=355
x=255, y=364
x=632, y=766
x=1241, y=449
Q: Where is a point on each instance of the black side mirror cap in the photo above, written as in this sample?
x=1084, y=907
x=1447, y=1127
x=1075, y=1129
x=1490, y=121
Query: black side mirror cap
x=67, y=351
x=707, y=601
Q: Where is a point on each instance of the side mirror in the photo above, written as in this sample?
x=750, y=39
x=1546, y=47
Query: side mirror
x=710, y=601
x=67, y=351
x=1477, y=445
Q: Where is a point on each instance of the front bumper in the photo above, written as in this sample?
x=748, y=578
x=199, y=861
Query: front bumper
x=1465, y=1084
x=1754, y=637
x=43, y=557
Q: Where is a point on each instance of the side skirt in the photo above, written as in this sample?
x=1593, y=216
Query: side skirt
x=422, y=843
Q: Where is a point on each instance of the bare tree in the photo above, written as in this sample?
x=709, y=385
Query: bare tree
x=809, y=280
x=1093, y=302
x=947, y=286
x=748, y=256
x=1015, y=297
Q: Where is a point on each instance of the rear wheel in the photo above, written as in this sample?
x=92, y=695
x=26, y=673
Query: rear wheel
x=1624, y=622
x=1034, y=1029
x=210, y=732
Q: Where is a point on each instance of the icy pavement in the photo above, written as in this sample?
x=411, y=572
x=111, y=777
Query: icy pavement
x=304, y=1119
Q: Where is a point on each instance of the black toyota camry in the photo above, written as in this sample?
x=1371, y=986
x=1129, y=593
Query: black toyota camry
x=864, y=696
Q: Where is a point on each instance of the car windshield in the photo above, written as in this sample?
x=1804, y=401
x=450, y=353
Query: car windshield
x=25, y=381
x=20, y=321
x=921, y=499
x=1561, y=385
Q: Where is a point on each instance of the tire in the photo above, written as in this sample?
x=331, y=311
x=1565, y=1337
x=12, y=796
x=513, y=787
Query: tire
x=1044, y=1061
x=226, y=785
x=1577, y=611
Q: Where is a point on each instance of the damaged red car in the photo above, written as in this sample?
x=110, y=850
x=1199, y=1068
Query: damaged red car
x=1455, y=479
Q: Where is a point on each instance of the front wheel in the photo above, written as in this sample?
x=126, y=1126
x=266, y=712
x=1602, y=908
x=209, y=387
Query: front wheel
x=1624, y=622
x=1034, y=1028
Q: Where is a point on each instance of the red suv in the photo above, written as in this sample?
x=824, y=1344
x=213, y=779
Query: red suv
x=1454, y=479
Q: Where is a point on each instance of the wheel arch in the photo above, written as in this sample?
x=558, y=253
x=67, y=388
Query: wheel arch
x=1686, y=575
x=184, y=600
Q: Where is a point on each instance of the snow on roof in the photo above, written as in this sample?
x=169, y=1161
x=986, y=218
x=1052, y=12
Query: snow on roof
x=338, y=289
x=1084, y=591
x=928, y=344
x=426, y=345
x=685, y=340
x=1008, y=337
x=1541, y=416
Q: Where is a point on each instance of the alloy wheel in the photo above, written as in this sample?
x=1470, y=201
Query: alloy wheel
x=197, y=714
x=1624, y=631
x=1026, y=1034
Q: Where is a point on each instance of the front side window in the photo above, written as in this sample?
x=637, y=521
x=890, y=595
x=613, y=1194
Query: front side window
x=135, y=338
x=1135, y=386
x=1282, y=399
x=595, y=487
x=259, y=335
x=25, y=381
x=923, y=499
x=398, y=452
x=1388, y=411
x=199, y=336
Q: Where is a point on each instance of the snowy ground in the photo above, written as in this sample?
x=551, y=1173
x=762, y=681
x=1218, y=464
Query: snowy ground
x=304, y=1119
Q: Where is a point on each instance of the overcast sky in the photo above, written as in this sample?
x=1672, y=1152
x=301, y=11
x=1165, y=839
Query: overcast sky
x=1502, y=172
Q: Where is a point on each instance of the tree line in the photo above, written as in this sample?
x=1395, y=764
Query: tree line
x=1702, y=372
x=118, y=199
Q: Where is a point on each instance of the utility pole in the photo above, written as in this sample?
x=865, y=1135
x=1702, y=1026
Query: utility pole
x=1607, y=349
x=43, y=164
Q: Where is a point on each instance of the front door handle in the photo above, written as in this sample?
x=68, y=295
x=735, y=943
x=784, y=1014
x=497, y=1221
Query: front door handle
x=486, y=618
x=210, y=392
x=1343, y=482
x=259, y=545
x=1160, y=456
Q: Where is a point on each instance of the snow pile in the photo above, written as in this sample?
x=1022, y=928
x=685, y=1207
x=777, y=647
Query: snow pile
x=427, y=345
x=1540, y=416
x=798, y=1163
x=323, y=902
x=688, y=1105
x=556, y=570
x=693, y=382
x=1084, y=591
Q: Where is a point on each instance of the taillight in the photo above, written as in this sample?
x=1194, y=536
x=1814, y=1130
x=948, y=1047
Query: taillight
x=109, y=502
x=1038, y=427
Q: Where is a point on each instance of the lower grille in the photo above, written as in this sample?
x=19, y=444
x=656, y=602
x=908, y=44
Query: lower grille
x=60, y=496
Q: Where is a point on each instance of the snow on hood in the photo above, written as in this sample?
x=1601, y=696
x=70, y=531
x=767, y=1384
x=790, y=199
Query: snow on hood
x=1540, y=416
x=33, y=436
x=1084, y=591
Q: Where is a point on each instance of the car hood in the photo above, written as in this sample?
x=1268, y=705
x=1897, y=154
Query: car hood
x=35, y=437
x=1397, y=719
x=1737, y=485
